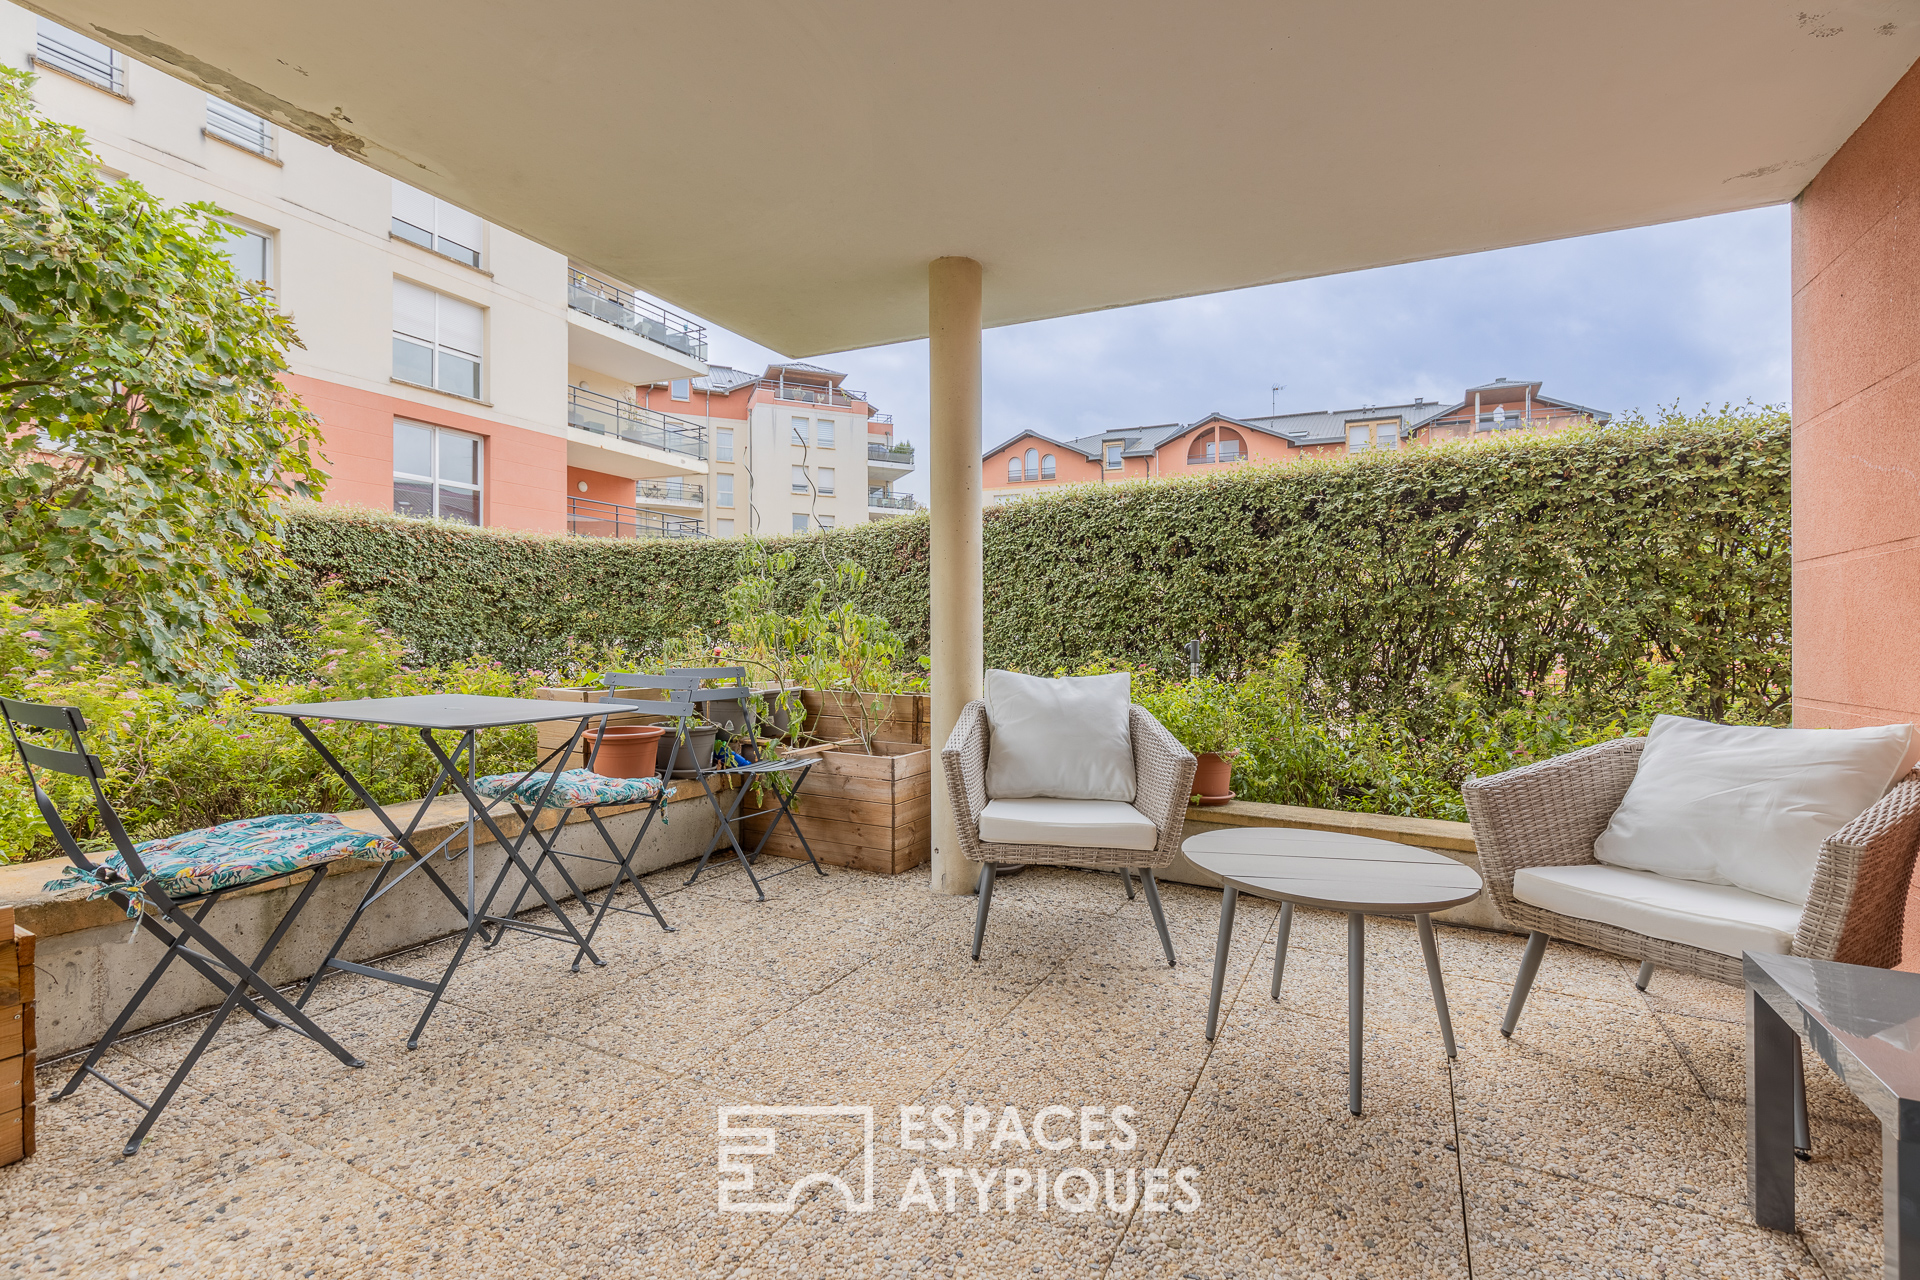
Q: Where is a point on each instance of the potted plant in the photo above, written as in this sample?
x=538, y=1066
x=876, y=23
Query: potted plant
x=1203, y=715
x=868, y=801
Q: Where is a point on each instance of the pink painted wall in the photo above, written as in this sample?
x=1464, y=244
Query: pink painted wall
x=1856, y=432
x=601, y=487
x=525, y=477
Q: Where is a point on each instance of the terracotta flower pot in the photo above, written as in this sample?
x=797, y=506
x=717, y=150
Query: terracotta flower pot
x=1213, y=779
x=626, y=751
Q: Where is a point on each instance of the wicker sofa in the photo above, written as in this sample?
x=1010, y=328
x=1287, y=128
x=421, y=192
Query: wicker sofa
x=1163, y=783
x=1549, y=815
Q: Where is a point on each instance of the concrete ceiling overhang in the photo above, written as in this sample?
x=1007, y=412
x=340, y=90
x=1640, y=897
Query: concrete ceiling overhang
x=787, y=170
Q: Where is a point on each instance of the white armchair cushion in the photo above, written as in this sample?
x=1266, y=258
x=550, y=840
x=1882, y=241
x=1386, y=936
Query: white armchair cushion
x=1748, y=807
x=1713, y=917
x=1067, y=739
x=1075, y=824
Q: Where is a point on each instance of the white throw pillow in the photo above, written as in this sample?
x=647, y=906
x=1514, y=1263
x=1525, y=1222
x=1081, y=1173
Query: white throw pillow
x=1749, y=807
x=1066, y=738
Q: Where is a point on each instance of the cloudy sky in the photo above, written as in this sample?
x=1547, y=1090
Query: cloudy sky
x=1692, y=311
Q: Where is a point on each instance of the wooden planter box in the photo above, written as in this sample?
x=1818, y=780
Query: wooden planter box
x=909, y=718
x=874, y=813
x=16, y=1040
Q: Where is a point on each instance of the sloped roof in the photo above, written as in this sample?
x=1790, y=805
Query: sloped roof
x=1329, y=426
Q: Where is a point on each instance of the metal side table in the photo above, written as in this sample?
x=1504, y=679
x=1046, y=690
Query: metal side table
x=1355, y=874
x=1865, y=1024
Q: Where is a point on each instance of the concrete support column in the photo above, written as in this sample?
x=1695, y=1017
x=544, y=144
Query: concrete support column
x=953, y=480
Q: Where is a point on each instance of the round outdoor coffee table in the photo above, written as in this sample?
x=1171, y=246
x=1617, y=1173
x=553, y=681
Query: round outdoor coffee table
x=1355, y=874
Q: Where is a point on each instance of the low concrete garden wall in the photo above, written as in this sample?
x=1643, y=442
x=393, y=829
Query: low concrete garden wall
x=87, y=968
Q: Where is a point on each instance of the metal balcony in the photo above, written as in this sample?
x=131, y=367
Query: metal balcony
x=608, y=416
x=670, y=491
x=900, y=455
x=592, y=518
x=606, y=301
x=892, y=501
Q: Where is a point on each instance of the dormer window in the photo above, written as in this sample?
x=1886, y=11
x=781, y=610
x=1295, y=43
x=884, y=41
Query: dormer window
x=1110, y=451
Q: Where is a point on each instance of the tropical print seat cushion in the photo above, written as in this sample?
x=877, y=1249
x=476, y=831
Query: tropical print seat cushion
x=576, y=787
x=234, y=853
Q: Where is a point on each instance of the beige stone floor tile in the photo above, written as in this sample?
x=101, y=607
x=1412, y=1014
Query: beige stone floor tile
x=673, y=1019
x=1493, y=958
x=910, y=978
x=639, y=1194
x=1716, y=1052
x=833, y=1052
x=1624, y=1039
x=1691, y=996
x=1524, y=1223
x=1612, y=1133
x=1294, y=1185
x=477, y=1100
x=822, y=1237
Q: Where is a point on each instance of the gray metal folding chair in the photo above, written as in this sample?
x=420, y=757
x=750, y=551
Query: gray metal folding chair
x=160, y=891
x=677, y=704
x=781, y=777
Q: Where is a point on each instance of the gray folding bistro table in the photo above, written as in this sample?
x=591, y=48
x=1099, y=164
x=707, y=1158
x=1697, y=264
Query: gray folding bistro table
x=464, y=714
x=1865, y=1024
x=1355, y=874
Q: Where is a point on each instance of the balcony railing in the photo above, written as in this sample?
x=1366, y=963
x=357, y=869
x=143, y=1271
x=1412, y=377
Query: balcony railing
x=812, y=393
x=592, y=518
x=79, y=56
x=898, y=454
x=605, y=415
x=892, y=501
x=609, y=302
x=879, y=420
x=670, y=491
x=242, y=128
x=1225, y=454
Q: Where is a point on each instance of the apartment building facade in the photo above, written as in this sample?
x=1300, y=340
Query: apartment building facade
x=1034, y=462
x=793, y=449
x=459, y=370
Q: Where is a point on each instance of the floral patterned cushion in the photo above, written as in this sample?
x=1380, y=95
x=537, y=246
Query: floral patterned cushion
x=576, y=787
x=234, y=853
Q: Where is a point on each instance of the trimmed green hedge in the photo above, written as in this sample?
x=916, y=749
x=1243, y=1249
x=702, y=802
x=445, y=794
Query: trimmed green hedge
x=1567, y=559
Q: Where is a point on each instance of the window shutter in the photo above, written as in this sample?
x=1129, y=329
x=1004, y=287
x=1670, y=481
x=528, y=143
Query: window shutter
x=462, y=326
x=410, y=204
x=413, y=310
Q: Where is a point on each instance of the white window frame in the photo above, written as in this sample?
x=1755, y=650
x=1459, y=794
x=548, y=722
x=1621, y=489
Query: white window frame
x=825, y=522
x=801, y=483
x=434, y=239
x=434, y=482
x=438, y=348
x=723, y=528
x=1048, y=467
x=266, y=239
x=801, y=523
x=680, y=389
x=801, y=431
x=1110, y=451
x=823, y=433
x=73, y=54
x=823, y=479
x=1013, y=469
x=239, y=127
x=723, y=490
x=723, y=444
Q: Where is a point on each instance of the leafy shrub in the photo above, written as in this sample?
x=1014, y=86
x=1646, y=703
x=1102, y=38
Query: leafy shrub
x=1509, y=565
x=177, y=761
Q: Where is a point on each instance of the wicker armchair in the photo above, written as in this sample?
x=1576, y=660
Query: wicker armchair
x=1163, y=783
x=1549, y=814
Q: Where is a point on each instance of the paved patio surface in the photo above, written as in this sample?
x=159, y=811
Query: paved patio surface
x=554, y=1125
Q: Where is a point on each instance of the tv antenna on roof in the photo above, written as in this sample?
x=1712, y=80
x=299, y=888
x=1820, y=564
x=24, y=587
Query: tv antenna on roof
x=1273, y=410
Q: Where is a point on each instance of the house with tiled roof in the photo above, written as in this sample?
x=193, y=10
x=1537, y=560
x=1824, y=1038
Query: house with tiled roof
x=1033, y=461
